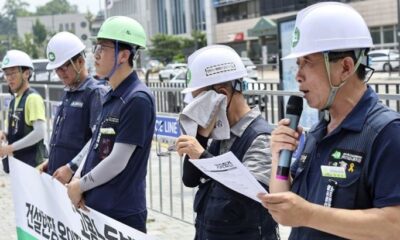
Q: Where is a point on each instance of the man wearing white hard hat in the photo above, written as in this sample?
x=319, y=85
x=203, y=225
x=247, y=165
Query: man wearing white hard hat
x=217, y=72
x=79, y=108
x=344, y=185
x=26, y=114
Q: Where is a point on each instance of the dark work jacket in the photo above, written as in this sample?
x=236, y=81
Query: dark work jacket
x=226, y=214
x=73, y=122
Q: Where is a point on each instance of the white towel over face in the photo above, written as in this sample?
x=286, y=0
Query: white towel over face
x=201, y=112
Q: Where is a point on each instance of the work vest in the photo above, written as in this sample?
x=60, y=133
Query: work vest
x=124, y=195
x=350, y=192
x=225, y=214
x=71, y=126
x=17, y=129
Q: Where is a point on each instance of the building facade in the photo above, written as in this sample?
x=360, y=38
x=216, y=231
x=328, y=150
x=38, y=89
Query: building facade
x=248, y=25
x=75, y=23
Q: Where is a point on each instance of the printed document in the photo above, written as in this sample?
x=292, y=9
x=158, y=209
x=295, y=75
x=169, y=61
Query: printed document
x=229, y=171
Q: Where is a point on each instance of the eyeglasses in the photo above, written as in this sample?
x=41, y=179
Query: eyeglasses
x=10, y=74
x=98, y=48
x=64, y=67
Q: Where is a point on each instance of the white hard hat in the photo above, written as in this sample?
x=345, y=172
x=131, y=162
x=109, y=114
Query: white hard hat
x=61, y=48
x=328, y=26
x=212, y=65
x=16, y=58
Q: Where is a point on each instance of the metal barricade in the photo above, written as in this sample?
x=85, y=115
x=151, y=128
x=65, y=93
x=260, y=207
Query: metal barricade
x=165, y=191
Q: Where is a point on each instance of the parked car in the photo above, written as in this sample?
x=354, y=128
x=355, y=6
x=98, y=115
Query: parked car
x=171, y=70
x=154, y=66
x=251, y=68
x=384, y=60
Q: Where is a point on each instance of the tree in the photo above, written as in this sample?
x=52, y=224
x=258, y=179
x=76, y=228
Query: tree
x=56, y=7
x=27, y=45
x=199, y=39
x=39, y=35
x=11, y=10
x=165, y=47
x=168, y=48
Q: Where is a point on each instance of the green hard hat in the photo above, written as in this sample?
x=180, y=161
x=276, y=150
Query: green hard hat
x=123, y=29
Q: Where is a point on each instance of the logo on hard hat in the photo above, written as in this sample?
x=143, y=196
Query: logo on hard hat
x=188, y=76
x=52, y=56
x=6, y=61
x=220, y=68
x=295, y=37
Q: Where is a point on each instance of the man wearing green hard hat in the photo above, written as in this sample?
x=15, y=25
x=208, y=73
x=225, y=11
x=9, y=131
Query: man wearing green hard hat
x=113, y=177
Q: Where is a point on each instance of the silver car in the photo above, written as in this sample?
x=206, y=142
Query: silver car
x=384, y=60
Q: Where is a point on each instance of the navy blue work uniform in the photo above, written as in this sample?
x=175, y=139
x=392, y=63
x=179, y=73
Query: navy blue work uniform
x=18, y=129
x=128, y=116
x=73, y=122
x=366, y=144
x=223, y=213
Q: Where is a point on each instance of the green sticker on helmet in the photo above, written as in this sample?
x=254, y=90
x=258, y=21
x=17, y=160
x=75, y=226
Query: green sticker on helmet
x=188, y=76
x=295, y=37
x=6, y=61
x=52, y=56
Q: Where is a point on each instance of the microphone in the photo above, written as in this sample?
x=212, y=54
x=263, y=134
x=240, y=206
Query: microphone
x=293, y=111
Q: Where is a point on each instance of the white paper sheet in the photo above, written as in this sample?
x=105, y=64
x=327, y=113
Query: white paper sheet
x=229, y=171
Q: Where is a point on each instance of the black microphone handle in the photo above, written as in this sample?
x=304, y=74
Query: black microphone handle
x=285, y=156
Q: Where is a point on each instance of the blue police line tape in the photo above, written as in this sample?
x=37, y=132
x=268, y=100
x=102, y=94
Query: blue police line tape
x=167, y=126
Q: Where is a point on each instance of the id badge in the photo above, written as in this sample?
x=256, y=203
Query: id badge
x=333, y=171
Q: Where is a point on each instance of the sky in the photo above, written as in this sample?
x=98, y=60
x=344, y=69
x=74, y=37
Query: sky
x=83, y=5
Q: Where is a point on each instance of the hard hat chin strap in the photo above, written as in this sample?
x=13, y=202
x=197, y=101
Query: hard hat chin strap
x=77, y=74
x=116, y=65
x=21, y=79
x=334, y=89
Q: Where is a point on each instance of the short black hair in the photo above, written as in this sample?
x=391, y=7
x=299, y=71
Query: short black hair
x=81, y=54
x=361, y=70
x=132, y=49
x=23, y=69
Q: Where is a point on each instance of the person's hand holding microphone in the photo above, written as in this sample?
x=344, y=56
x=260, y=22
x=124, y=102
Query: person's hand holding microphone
x=294, y=109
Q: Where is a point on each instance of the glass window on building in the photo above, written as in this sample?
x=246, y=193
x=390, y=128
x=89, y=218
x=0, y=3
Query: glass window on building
x=376, y=35
x=199, y=21
x=388, y=34
x=60, y=27
x=253, y=9
x=162, y=17
x=66, y=27
x=178, y=17
x=231, y=12
x=73, y=27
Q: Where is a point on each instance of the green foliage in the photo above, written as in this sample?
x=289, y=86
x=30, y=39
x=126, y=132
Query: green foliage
x=8, y=17
x=171, y=48
x=55, y=7
x=199, y=38
x=165, y=47
x=39, y=33
x=27, y=45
